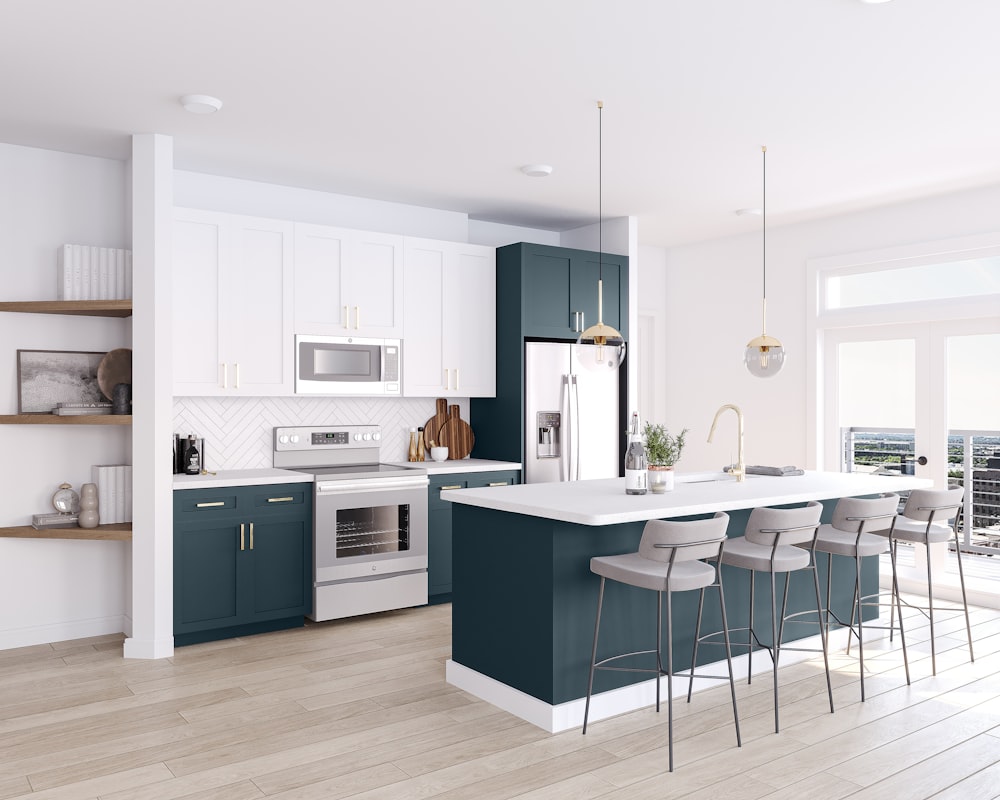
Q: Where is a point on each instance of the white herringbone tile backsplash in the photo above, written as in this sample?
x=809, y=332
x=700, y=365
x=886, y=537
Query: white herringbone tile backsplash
x=237, y=430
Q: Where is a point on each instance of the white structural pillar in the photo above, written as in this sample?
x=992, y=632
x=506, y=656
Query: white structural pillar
x=152, y=634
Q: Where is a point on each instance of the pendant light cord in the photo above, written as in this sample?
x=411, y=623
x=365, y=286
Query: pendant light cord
x=600, y=190
x=763, y=238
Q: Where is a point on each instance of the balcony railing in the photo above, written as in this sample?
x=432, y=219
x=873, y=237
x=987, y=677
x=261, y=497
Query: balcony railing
x=973, y=462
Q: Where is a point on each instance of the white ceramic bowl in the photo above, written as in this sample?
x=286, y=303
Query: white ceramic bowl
x=439, y=453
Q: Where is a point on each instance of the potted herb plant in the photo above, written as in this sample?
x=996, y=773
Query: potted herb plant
x=663, y=450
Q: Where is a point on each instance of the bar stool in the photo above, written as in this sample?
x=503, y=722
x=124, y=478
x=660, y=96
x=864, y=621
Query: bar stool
x=916, y=524
x=668, y=561
x=768, y=546
x=851, y=534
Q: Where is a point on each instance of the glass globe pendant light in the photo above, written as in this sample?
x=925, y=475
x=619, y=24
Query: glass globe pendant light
x=610, y=344
x=764, y=355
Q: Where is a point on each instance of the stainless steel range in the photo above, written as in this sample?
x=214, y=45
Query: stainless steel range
x=369, y=520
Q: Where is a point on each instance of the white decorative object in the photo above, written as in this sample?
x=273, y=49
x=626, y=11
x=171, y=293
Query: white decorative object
x=439, y=453
x=89, y=517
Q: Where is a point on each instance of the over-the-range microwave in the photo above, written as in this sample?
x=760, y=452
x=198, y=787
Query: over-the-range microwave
x=347, y=365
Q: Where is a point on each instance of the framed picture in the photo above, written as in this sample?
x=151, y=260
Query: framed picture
x=48, y=377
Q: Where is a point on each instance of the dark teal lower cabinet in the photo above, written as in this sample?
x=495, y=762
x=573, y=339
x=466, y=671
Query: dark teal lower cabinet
x=242, y=560
x=439, y=525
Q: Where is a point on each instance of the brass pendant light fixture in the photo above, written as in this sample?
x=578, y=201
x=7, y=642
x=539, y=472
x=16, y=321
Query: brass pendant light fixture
x=610, y=343
x=764, y=355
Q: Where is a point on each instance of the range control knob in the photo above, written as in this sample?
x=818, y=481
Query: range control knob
x=376, y=436
x=367, y=437
x=357, y=437
x=294, y=438
x=283, y=439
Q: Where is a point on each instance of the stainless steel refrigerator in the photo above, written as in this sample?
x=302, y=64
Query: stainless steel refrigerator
x=573, y=425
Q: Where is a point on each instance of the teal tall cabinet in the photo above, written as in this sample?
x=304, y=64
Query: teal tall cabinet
x=242, y=560
x=548, y=293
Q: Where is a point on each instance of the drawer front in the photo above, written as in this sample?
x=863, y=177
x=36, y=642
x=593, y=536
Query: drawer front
x=288, y=496
x=501, y=478
x=442, y=484
x=191, y=504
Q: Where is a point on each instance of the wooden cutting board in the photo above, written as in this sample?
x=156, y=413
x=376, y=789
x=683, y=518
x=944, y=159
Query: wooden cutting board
x=456, y=435
x=433, y=426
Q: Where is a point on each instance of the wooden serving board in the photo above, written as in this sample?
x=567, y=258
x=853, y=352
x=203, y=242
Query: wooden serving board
x=433, y=426
x=456, y=435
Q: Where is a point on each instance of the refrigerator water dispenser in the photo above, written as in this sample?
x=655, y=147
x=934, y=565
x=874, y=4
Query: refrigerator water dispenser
x=547, y=438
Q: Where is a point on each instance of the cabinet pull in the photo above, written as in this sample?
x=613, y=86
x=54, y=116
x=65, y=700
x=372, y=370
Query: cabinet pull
x=236, y=366
x=447, y=379
x=357, y=318
x=457, y=387
x=583, y=322
x=498, y=483
x=225, y=375
x=280, y=499
x=575, y=324
x=210, y=505
x=347, y=317
x=251, y=536
x=446, y=488
x=242, y=539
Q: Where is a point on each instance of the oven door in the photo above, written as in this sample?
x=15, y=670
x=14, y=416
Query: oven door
x=370, y=528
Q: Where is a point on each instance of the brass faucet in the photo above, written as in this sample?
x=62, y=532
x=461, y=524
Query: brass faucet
x=740, y=468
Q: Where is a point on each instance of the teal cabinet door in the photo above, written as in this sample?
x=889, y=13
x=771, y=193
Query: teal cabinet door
x=439, y=525
x=280, y=558
x=547, y=276
x=587, y=273
x=206, y=576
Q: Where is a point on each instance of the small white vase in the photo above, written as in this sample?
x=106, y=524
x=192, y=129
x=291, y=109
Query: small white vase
x=661, y=479
x=89, y=513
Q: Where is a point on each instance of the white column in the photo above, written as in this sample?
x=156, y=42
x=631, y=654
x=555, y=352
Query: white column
x=152, y=479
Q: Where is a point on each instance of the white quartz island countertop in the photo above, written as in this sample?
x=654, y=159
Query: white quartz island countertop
x=604, y=502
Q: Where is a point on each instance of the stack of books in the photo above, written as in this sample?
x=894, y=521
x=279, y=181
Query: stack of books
x=76, y=409
x=114, y=492
x=94, y=273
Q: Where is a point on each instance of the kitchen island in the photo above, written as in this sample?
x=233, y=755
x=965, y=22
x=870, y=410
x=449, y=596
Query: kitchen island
x=524, y=599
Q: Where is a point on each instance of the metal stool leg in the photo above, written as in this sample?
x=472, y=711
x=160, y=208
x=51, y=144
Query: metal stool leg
x=822, y=633
x=697, y=636
x=965, y=601
x=729, y=662
x=753, y=580
x=659, y=644
x=930, y=606
x=593, y=655
x=774, y=648
x=898, y=608
x=670, y=685
x=860, y=614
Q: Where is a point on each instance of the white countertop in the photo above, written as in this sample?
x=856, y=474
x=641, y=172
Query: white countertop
x=604, y=502
x=240, y=477
x=460, y=465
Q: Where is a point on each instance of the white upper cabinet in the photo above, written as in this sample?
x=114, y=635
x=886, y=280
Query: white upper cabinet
x=347, y=282
x=232, y=305
x=449, y=349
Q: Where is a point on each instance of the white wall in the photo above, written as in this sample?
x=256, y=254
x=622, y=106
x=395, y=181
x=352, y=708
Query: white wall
x=54, y=590
x=712, y=308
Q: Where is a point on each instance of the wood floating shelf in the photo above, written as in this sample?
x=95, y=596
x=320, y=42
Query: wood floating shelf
x=58, y=419
x=118, y=532
x=80, y=308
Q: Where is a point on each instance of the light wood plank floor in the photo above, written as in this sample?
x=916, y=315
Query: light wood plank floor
x=359, y=708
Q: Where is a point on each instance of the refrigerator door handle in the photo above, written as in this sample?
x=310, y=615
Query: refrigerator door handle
x=564, y=410
x=574, y=421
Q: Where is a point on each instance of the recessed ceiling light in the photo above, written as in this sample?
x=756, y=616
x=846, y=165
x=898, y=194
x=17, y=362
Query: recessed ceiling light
x=536, y=170
x=201, y=103
x=744, y=212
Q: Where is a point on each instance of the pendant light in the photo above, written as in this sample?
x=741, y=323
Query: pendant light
x=764, y=355
x=610, y=350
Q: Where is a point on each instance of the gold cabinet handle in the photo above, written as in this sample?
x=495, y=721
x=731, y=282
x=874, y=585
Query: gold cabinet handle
x=251, y=536
x=447, y=379
x=225, y=376
x=242, y=539
x=280, y=499
x=347, y=318
x=499, y=483
x=211, y=505
x=236, y=384
x=446, y=488
x=357, y=318
x=457, y=387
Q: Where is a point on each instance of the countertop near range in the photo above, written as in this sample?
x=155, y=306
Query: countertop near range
x=240, y=477
x=460, y=465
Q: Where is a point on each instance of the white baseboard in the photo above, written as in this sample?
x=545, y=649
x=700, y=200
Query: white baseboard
x=564, y=716
x=61, y=632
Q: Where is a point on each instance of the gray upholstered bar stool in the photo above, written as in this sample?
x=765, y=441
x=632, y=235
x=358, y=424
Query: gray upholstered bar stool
x=851, y=534
x=768, y=546
x=668, y=561
x=924, y=520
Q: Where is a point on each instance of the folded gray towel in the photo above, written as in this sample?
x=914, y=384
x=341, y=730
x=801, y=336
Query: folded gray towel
x=777, y=471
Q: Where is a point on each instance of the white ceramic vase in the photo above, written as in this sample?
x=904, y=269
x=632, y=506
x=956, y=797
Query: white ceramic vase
x=89, y=513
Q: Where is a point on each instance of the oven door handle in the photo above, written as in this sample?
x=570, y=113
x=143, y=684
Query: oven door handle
x=380, y=485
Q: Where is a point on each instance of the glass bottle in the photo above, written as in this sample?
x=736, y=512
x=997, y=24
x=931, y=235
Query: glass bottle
x=635, y=461
x=192, y=463
x=412, y=452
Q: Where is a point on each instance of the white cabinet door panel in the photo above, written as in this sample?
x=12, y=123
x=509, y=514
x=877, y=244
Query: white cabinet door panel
x=319, y=264
x=423, y=362
x=373, y=285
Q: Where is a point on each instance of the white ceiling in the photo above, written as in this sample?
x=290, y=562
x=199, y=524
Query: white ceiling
x=439, y=102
